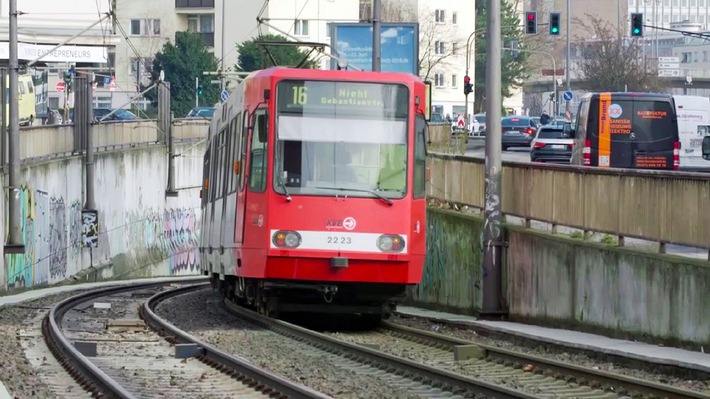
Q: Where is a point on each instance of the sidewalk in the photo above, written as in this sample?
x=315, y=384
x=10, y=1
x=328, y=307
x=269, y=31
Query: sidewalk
x=574, y=339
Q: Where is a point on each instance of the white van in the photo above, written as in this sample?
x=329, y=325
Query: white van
x=693, y=114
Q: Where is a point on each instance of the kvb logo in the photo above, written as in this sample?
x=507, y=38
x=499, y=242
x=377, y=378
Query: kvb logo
x=349, y=223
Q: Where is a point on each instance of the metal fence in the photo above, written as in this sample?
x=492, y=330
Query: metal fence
x=59, y=140
x=662, y=206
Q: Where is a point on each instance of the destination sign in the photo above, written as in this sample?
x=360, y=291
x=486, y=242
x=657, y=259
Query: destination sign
x=342, y=98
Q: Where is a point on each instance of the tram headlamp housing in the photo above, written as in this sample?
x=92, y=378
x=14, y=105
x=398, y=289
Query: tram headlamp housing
x=390, y=243
x=286, y=239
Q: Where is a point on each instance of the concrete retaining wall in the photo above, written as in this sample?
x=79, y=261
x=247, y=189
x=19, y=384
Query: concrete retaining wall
x=141, y=232
x=556, y=280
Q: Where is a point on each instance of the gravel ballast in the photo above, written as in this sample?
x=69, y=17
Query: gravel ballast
x=201, y=313
x=555, y=353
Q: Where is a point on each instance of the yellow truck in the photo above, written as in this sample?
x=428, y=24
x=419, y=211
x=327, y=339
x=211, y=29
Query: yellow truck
x=26, y=97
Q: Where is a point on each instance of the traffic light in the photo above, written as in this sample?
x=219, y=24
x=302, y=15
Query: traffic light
x=467, y=85
x=555, y=23
x=531, y=22
x=199, y=90
x=637, y=24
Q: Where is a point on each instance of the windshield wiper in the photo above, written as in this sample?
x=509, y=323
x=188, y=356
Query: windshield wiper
x=373, y=192
x=283, y=185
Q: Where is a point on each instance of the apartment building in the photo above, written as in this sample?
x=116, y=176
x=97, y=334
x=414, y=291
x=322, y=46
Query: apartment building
x=445, y=29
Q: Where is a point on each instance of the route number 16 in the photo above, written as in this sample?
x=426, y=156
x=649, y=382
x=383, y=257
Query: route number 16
x=299, y=95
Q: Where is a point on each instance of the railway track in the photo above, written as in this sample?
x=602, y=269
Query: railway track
x=531, y=371
x=413, y=377
x=141, y=364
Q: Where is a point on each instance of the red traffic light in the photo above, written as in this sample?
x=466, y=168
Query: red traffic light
x=531, y=16
x=466, y=79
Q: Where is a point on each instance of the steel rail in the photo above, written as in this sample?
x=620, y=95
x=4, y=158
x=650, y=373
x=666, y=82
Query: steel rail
x=590, y=377
x=249, y=374
x=87, y=374
x=443, y=379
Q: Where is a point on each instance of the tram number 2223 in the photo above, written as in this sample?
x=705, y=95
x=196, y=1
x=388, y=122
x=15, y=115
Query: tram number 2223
x=338, y=240
x=300, y=96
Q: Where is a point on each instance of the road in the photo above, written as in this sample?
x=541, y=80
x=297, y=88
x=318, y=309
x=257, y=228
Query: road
x=476, y=149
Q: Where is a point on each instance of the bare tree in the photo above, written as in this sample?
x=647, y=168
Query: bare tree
x=612, y=61
x=438, y=42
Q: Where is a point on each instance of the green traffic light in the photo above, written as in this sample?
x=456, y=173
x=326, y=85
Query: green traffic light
x=637, y=31
x=555, y=30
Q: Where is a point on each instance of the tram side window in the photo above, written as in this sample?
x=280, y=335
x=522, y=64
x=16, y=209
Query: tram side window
x=243, y=149
x=419, y=187
x=219, y=180
x=205, y=177
x=257, y=171
x=214, y=167
x=235, y=153
x=226, y=159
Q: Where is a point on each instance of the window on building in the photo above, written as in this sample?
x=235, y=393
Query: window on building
x=440, y=16
x=439, y=47
x=693, y=3
x=454, y=48
x=101, y=102
x=146, y=65
x=203, y=23
x=439, y=80
x=300, y=27
x=145, y=27
x=684, y=3
x=454, y=81
x=454, y=18
x=53, y=102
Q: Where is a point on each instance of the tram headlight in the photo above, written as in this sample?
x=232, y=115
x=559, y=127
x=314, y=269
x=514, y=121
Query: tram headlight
x=390, y=243
x=286, y=239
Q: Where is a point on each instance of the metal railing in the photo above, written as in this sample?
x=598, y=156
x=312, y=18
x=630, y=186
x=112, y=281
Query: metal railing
x=667, y=207
x=53, y=141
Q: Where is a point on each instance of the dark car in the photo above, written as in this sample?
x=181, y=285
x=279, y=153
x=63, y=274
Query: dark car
x=119, y=115
x=551, y=144
x=518, y=131
x=201, y=112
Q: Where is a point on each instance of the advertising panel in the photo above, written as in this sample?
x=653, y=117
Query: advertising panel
x=399, y=46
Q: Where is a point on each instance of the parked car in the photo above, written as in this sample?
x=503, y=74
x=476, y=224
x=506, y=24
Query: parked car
x=518, y=131
x=119, y=115
x=201, y=112
x=481, y=119
x=551, y=144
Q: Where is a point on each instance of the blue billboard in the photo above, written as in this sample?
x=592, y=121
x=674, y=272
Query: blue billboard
x=399, y=46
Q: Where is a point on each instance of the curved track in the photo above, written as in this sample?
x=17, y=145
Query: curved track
x=513, y=362
x=99, y=376
x=397, y=368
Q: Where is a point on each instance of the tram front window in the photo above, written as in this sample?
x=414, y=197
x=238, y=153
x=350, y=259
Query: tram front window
x=341, y=138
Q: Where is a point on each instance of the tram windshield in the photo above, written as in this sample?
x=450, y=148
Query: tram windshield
x=341, y=138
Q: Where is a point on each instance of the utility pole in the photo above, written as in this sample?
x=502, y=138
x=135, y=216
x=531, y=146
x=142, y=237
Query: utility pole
x=15, y=243
x=492, y=227
x=568, y=113
x=376, y=23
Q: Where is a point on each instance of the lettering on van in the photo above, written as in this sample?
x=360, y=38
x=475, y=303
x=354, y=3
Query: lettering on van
x=604, y=109
x=620, y=126
x=652, y=114
x=651, y=162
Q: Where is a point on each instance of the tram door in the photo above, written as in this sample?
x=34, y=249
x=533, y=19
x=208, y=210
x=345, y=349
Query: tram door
x=241, y=192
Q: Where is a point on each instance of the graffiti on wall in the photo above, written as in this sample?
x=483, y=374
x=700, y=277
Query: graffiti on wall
x=171, y=234
x=50, y=241
x=89, y=228
x=20, y=266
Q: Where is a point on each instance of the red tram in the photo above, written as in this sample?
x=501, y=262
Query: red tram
x=313, y=196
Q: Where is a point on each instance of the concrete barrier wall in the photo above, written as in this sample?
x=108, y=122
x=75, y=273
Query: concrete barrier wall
x=555, y=280
x=452, y=273
x=141, y=232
